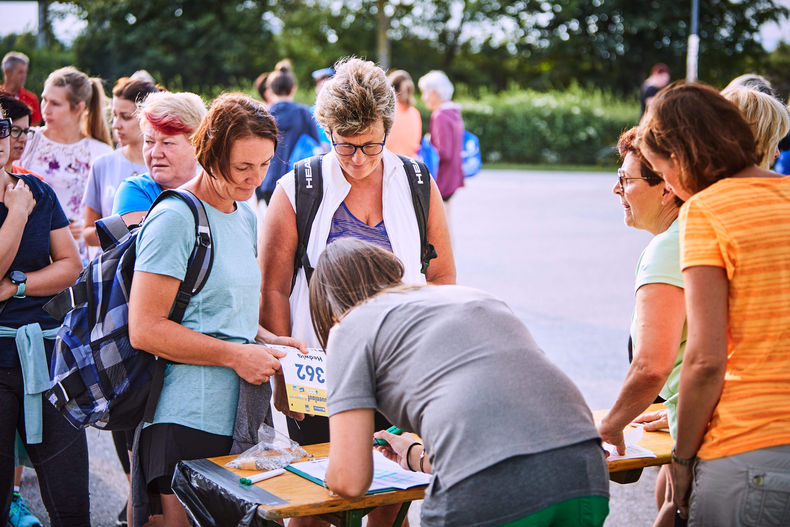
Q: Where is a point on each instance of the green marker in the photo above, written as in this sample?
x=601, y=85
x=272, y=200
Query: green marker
x=392, y=430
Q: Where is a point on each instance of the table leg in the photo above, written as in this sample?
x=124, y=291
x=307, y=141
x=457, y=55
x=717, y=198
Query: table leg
x=404, y=511
x=353, y=518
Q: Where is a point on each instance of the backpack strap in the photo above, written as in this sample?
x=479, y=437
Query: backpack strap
x=202, y=256
x=308, y=193
x=420, y=185
x=110, y=230
x=198, y=269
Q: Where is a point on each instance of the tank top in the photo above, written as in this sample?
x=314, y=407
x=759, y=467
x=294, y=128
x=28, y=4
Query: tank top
x=346, y=225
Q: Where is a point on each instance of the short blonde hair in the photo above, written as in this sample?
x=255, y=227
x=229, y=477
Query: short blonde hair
x=355, y=99
x=172, y=113
x=766, y=116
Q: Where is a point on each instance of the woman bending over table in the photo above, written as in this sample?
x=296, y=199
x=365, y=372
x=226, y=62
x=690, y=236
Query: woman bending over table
x=506, y=434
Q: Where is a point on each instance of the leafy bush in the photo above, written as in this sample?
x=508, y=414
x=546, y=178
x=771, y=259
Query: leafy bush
x=576, y=126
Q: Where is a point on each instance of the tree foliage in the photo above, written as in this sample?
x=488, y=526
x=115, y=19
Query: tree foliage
x=484, y=45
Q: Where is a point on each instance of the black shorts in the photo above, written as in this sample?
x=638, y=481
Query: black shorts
x=315, y=429
x=163, y=445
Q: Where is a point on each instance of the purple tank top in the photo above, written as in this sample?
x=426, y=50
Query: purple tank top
x=346, y=225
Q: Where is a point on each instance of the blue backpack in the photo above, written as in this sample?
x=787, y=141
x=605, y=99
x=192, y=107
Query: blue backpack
x=471, y=161
x=98, y=378
x=305, y=147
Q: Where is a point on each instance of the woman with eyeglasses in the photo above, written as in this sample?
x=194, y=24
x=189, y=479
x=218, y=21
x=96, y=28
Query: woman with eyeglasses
x=365, y=195
x=38, y=259
x=19, y=113
x=658, y=327
x=731, y=460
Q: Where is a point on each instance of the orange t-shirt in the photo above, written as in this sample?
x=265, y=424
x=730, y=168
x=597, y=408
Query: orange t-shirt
x=406, y=133
x=743, y=225
x=16, y=169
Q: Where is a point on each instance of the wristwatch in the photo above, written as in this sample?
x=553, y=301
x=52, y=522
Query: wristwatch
x=19, y=279
x=685, y=462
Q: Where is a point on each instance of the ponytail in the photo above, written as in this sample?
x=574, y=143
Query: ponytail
x=96, y=124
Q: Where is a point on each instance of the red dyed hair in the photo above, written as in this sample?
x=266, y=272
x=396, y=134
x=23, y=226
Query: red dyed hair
x=168, y=124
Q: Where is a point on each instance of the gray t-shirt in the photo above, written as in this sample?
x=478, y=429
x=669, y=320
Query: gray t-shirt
x=457, y=367
x=106, y=174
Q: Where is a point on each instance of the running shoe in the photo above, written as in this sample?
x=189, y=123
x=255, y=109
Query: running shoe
x=19, y=515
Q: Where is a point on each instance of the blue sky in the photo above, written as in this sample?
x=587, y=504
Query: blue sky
x=21, y=16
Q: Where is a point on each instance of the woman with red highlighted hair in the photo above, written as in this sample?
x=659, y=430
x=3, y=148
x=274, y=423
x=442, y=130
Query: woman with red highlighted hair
x=168, y=121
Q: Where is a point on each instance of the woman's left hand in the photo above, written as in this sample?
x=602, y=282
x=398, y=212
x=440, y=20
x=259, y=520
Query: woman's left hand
x=682, y=477
x=396, y=447
x=265, y=336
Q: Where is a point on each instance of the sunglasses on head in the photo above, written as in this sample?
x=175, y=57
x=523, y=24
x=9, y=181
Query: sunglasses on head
x=5, y=128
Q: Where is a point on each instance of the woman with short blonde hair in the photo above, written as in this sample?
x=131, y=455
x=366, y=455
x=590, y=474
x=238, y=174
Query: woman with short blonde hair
x=767, y=117
x=169, y=122
x=366, y=195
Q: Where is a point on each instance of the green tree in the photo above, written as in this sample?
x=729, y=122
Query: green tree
x=198, y=45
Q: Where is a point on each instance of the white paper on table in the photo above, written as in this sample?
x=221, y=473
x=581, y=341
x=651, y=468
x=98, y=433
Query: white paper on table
x=632, y=450
x=386, y=474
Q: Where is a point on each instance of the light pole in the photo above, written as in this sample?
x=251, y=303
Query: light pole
x=692, y=54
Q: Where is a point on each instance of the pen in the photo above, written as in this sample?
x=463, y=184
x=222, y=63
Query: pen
x=262, y=476
x=392, y=430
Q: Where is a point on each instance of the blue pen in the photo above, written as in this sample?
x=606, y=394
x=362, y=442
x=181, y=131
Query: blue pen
x=392, y=430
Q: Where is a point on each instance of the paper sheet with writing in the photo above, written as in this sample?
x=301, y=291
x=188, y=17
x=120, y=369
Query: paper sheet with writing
x=632, y=450
x=305, y=380
x=387, y=475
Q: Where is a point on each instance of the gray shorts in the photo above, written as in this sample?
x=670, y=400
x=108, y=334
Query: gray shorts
x=749, y=489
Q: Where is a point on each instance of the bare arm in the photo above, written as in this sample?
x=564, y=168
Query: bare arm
x=660, y=312
x=441, y=270
x=20, y=203
x=350, y=453
x=705, y=359
x=150, y=301
x=277, y=247
x=89, y=229
x=61, y=273
x=704, y=366
x=134, y=218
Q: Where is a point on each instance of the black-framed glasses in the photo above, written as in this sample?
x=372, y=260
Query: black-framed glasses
x=17, y=131
x=622, y=175
x=5, y=128
x=349, y=149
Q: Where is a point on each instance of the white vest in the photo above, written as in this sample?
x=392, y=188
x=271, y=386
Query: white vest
x=399, y=219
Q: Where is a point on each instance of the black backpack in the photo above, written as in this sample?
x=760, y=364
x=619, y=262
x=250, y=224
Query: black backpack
x=98, y=378
x=309, y=191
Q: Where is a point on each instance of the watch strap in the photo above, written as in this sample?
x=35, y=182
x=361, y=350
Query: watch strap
x=685, y=462
x=20, y=290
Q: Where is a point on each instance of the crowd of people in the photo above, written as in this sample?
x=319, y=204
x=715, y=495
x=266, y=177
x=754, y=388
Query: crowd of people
x=404, y=344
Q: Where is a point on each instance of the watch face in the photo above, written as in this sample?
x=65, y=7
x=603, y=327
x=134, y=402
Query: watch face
x=17, y=277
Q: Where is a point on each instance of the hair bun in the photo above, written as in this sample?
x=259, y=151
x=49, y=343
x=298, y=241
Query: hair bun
x=284, y=66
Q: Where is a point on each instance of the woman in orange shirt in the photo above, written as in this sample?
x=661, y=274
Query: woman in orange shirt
x=731, y=461
x=406, y=133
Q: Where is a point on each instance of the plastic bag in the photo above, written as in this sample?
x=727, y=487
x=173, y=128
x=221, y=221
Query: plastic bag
x=274, y=450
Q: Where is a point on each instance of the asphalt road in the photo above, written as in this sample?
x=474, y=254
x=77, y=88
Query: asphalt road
x=553, y=245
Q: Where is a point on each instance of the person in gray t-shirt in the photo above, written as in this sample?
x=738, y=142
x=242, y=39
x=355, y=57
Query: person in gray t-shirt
x=506, y=434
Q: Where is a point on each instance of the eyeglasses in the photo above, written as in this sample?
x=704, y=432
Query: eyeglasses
x=16, y=131
x=349, y=149
x=622, y=175
x=5, y=128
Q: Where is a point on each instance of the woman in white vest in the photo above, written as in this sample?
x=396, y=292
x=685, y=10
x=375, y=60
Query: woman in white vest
x=366, y=195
